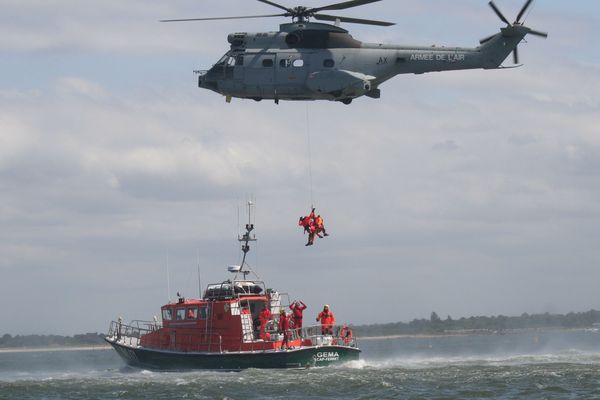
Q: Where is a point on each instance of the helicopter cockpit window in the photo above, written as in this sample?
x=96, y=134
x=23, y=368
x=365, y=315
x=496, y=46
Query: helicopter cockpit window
x=267, y=62
x=328, y=63
x=223, y=60
x=298, y=63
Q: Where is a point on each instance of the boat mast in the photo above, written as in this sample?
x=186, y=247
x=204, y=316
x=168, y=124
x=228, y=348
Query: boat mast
x=245, y=239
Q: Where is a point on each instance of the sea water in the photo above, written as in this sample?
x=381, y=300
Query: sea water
x=533, y=365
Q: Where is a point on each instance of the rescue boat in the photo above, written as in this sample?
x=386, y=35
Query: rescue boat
x=222, y=330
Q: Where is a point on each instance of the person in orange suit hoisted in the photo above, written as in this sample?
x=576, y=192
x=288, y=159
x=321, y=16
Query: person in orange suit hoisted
x=313, y=225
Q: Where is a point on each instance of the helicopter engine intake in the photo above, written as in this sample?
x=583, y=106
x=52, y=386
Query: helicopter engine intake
x=340, y=83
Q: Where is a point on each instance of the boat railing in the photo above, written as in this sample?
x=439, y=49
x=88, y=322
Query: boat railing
x=341, y=335
x=146, y=325
x=338, y=335
x=151, y=336
x=148, y=335
x=124, y=334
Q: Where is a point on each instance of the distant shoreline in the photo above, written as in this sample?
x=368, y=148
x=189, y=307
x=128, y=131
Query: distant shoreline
x=459, y=334
x=54, y=348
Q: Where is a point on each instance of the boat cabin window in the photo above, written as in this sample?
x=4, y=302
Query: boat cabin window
x=167, y=314
x=285, y=63
x=191, y=313
x=180, y=315
x=267, y=62
x=298, y=63
x=204, y=312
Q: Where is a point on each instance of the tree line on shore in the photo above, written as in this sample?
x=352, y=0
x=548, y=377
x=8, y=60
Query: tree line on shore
x=434, y=325
x=87, y=339
x=482, y=324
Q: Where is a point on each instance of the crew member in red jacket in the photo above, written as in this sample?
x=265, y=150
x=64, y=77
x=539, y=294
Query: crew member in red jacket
x=264, y=317
x=297, y=308
x=284, y=327
x=327, y=320
x=308, y=223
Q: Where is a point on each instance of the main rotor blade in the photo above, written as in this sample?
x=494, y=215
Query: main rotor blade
x=276, y=5
x=325, y=17
x=537, y=33
x=343, y=5
x=516, y=55
x=220, y=18
x=498, y=13
x=522, y=12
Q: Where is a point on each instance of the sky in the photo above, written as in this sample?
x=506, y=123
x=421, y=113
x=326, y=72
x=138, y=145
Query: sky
x=464, y=193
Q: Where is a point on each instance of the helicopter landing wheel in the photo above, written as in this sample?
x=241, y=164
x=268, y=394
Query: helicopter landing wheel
x=346, y=101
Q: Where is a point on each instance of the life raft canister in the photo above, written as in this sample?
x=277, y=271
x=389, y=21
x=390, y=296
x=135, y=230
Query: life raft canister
x=346, y=335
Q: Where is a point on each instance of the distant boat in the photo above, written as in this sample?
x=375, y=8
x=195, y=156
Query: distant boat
x=222, y=330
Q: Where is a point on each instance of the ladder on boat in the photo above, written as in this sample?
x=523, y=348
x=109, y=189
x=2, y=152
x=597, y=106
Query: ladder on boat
x=247, y=328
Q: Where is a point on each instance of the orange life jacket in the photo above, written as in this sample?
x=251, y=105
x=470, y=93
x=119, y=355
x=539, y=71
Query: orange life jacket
x=326, y=318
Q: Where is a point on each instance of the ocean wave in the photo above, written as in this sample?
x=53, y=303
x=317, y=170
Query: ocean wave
x=565, y=357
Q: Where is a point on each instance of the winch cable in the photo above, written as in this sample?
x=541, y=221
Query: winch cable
x=310, y=177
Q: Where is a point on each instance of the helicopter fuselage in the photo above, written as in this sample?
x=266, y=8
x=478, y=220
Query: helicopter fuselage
x=315, y=61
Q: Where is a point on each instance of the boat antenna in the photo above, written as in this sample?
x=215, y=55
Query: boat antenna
x=168, y=279
x=199, y=283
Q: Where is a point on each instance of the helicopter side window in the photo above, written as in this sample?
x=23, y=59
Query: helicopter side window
x=298, y=63
x=328, y=63
x=267, y=62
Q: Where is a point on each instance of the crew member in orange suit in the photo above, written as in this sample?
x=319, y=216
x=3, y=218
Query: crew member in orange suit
x=320, y=226
x=327, y=320
x=284, y=328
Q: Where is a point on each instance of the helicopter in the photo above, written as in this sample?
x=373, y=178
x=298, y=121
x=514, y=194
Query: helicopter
x=307, y=60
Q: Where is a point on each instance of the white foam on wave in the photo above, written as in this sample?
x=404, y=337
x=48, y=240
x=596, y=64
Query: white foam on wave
x=410, y=362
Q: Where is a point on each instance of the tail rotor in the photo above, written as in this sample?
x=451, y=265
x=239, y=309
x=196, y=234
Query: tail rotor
x=515, y=28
